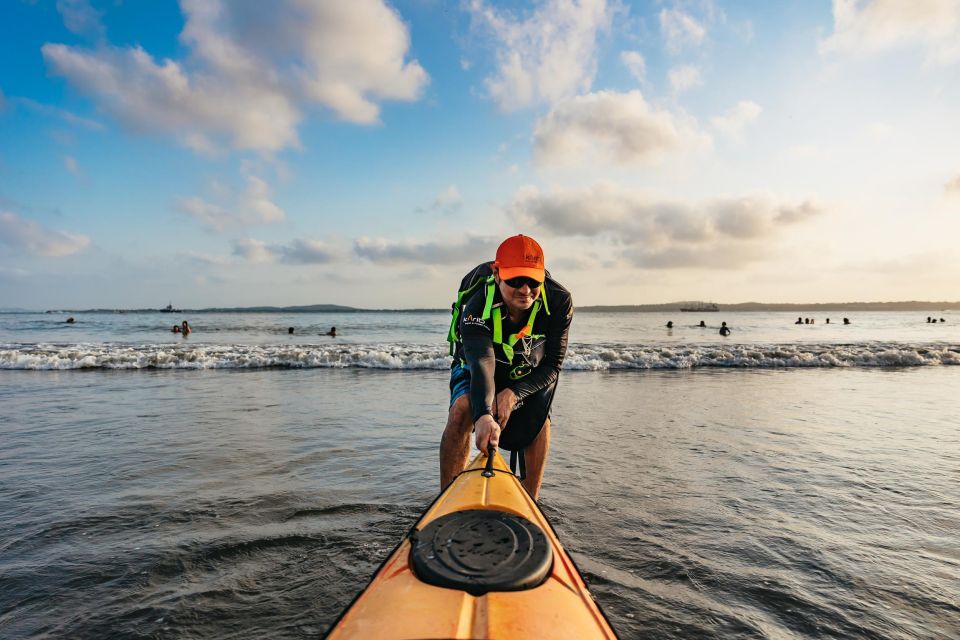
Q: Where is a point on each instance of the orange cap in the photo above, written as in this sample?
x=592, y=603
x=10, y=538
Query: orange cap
x=520, y=256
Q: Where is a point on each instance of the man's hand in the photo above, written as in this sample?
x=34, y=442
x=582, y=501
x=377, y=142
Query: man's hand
x=487, y=432
x=506, y=401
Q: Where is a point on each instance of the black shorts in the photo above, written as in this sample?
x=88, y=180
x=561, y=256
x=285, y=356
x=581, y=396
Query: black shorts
x=527, y=418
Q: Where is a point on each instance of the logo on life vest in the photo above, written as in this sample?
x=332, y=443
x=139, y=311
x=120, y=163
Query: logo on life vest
x=519, y=371
x=474, y=320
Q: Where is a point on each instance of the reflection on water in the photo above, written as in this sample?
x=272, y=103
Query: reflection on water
x=713, y=503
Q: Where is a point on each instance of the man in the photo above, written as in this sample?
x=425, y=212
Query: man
x=510, y=337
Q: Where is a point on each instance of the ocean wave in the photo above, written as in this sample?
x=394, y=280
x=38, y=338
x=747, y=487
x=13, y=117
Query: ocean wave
x=412, y=357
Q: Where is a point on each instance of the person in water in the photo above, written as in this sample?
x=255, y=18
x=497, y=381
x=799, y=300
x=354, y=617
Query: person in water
x=724, y=329
x=332, y=333
x=669, y=324
x=702, y=324
x=176, y=328
x=185, y=328
x=846, y=321
x=509, y=338
x=799, y=321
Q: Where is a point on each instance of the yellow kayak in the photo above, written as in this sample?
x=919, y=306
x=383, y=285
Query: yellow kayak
x=482, y=562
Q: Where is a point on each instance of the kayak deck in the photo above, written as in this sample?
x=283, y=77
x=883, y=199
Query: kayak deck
x=397, y=604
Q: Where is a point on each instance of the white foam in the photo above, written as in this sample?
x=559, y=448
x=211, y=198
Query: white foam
x=411, y=356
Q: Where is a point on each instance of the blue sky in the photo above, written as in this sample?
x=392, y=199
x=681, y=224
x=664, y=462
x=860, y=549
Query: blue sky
x=368, y=153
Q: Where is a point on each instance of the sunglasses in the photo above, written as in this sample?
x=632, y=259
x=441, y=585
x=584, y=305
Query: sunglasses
x=517, y=283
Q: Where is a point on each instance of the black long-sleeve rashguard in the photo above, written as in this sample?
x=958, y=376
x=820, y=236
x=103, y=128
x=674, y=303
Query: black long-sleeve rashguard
x=536, y=364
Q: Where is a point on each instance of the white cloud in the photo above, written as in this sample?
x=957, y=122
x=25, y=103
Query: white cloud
x=684, y=77
x=871, y=26
x=81, y=18
x=455, y=252
x=634, y=62
x=63, y=114
x=252, y=250
x=306, y=251
x=249, y=206
x=549, y=55
x=448, y=201
x=251, y=71
x=209, y=214
x=655, y=232
x=297, y=251
x=36, y=239
x=70, y=163
x=680, y=30
x=611, y=127
x=733, y=122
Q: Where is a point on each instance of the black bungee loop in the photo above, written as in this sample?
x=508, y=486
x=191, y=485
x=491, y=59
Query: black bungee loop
x=488, y=470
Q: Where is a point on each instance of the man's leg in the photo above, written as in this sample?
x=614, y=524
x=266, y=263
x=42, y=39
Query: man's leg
x=535, y=456
x=455, y=443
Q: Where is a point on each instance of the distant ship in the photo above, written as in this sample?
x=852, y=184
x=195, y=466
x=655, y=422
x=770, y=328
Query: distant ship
x=701, y=306
x=169, y=309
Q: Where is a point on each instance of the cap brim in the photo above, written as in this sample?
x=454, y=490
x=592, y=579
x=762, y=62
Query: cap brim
x=519, y=272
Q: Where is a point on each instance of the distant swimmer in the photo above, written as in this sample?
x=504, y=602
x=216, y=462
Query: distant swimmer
x=702, y=323
x=724, y=329
x=70, y=320
x=332, y=333
x=929, y=319
x=290, y=330
x=176, y=328
x=846, y=321
x=942, y=320
x=670, y=324
x=799, y=321
x=185, y=327
x=828, y=320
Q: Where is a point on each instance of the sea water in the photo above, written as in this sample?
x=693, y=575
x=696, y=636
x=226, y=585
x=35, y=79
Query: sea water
x=785, y=481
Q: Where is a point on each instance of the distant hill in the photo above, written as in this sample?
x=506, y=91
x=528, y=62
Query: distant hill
x=669, y=307
x=910, y=305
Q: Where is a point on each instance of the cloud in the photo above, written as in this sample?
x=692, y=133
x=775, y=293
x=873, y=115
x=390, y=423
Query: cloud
x=864, y=27
x=634, y=62
x=70, y=163
x=448, y=201
x=654, y=232
x=297, y=251
x=733, y=122
x=34, y=238
x=680, y=30
x=252, y=250
x=81, y=18
x=250, y=206
x=460, y=251
x=548, y=56
x=953, y=186
x=251, y=70
x=684, y=77
x=301, y=251
x=613, y=127
x=62, y=114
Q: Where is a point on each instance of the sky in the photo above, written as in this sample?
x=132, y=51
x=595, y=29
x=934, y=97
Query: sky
x=370, y=153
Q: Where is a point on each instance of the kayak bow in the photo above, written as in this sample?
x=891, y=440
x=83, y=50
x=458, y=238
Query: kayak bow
x=482, y=562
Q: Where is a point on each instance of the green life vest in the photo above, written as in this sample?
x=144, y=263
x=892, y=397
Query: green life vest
x=453, y=335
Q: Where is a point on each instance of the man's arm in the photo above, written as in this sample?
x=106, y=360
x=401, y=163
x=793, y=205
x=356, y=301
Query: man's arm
x=478, y=352
x=548, y=370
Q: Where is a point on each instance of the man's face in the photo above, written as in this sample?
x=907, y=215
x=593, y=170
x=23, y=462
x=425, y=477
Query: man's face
x=517, y=299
